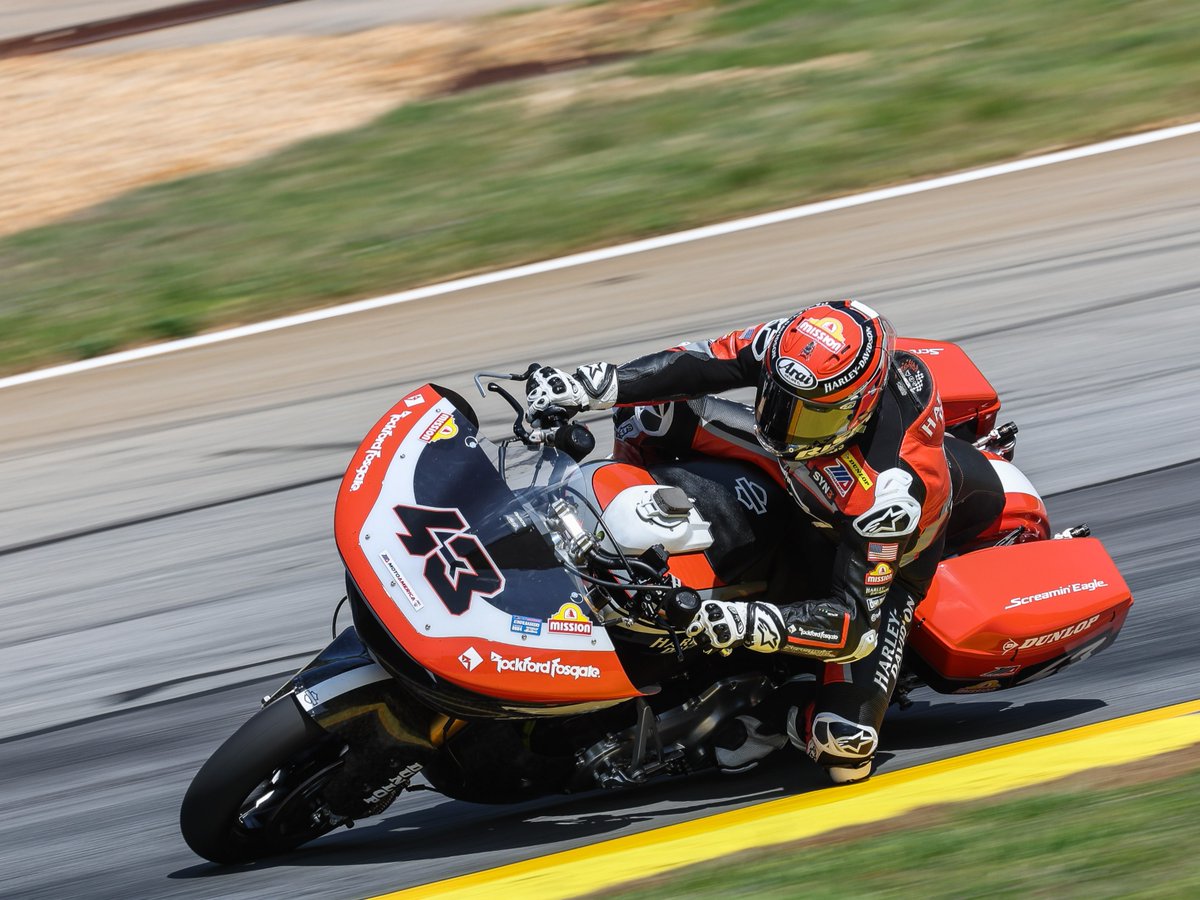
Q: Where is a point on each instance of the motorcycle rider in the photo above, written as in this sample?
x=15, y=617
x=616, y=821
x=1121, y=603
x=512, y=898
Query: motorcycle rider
x=853, y=428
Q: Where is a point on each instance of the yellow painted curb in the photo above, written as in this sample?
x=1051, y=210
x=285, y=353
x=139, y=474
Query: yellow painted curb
x=970, y=777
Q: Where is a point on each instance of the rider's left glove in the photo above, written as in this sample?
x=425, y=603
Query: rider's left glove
x=591, y=387
x=758, y=626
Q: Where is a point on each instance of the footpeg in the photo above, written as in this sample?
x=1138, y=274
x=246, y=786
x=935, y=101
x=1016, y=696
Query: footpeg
x=1075, y=531
x=1002, y=441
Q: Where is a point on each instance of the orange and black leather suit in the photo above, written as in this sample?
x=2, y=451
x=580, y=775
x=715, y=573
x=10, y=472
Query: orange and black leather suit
x=881, y=505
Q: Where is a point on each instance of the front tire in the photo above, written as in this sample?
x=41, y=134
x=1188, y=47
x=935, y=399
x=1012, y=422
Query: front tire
x=259, y=793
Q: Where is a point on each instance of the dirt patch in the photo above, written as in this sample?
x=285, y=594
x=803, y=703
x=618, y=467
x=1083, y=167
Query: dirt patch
x=80, y=130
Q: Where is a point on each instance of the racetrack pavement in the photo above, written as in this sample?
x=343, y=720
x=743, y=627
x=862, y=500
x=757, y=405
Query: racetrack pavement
x=882, y=801
x=166, y=525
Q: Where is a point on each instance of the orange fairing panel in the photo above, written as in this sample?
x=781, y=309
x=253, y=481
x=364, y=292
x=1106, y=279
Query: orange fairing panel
x=610, y=480
x=964, y=391
x=1024, y=603
x=419, y=551
x=693, y=569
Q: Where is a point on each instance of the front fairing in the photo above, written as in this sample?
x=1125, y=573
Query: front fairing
x=442, y=533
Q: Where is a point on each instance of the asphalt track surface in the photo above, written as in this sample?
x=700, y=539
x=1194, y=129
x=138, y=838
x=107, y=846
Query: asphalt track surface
x=165, y=532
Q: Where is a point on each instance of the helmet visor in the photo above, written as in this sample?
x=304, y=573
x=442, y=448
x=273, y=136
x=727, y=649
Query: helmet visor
x=794, y=428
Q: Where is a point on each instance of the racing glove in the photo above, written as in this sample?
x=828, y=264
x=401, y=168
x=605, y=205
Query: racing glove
x=758, y=626
x=592, y=386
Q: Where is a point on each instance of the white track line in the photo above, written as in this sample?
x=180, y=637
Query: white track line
x=580, y=259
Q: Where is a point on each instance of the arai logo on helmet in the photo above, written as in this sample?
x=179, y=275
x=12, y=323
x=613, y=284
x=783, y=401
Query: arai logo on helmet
x=795, y=373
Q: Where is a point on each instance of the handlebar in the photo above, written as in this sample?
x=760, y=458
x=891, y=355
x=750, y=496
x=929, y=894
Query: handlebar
x=573, y=439
x=674, y=605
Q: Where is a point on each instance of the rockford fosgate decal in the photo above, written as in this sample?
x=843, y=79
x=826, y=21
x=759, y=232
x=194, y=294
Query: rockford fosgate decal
x=1078, y=587
x=552, y=667
x=376, y=449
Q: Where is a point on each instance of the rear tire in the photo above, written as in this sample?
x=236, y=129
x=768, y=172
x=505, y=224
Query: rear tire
x=258, y=793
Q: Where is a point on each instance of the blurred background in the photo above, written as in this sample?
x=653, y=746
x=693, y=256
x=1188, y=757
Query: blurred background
x=165, y=539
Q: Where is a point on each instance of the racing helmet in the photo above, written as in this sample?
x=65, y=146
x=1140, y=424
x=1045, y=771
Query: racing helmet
x=823, y=374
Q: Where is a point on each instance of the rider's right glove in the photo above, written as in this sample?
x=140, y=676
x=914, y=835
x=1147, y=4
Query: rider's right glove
x=758, y=626
x=591, y=387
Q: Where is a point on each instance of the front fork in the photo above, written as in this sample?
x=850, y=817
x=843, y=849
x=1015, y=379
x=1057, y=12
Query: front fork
x=388, y=736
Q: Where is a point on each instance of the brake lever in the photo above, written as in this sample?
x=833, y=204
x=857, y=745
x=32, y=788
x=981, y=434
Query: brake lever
x=507, y=376
x=518, y=428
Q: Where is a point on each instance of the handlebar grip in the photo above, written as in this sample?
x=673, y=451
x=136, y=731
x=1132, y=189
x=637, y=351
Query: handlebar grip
x=575, y=440
x=681, y=609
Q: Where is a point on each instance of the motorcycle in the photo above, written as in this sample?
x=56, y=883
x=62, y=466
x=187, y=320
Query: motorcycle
x=520, y=612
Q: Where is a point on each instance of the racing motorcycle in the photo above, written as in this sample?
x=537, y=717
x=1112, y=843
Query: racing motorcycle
x=520, y=613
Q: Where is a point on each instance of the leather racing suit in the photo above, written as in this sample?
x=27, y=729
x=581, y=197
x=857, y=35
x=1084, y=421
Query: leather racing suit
x=881, y=504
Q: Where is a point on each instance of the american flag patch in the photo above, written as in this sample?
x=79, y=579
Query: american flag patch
x=882, y=552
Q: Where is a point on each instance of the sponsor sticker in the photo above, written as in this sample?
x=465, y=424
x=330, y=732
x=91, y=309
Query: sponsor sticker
x=1061, y=635
x=376, y=449
x=470, y=658
x=893, y=520
x=569, y=619
x=822, y=483
x=881, y=574
x=820, y=635
x=981, y=688
x=1001, y=672
x=404, y=586
x=795, y=373
x=414, y=400
x=882, y=552
x=766, y=333
x=1077, y=587
x=551, y=667
x=442, y=428
x=827, y=332
x=525, y=625
x=856, y=470
x=913, y=376
x=926, y=351
x=840, y=476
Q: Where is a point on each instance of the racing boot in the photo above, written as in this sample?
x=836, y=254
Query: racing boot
x=843, y=748
x=742, y=743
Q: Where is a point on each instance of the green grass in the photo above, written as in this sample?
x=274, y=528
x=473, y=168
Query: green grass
x=1136, y=841
x=816, y=98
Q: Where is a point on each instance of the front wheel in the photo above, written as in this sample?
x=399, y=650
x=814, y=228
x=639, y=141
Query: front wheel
x=260, y=793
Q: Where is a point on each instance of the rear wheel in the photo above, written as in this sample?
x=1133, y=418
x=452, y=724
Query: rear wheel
x=260, y=792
